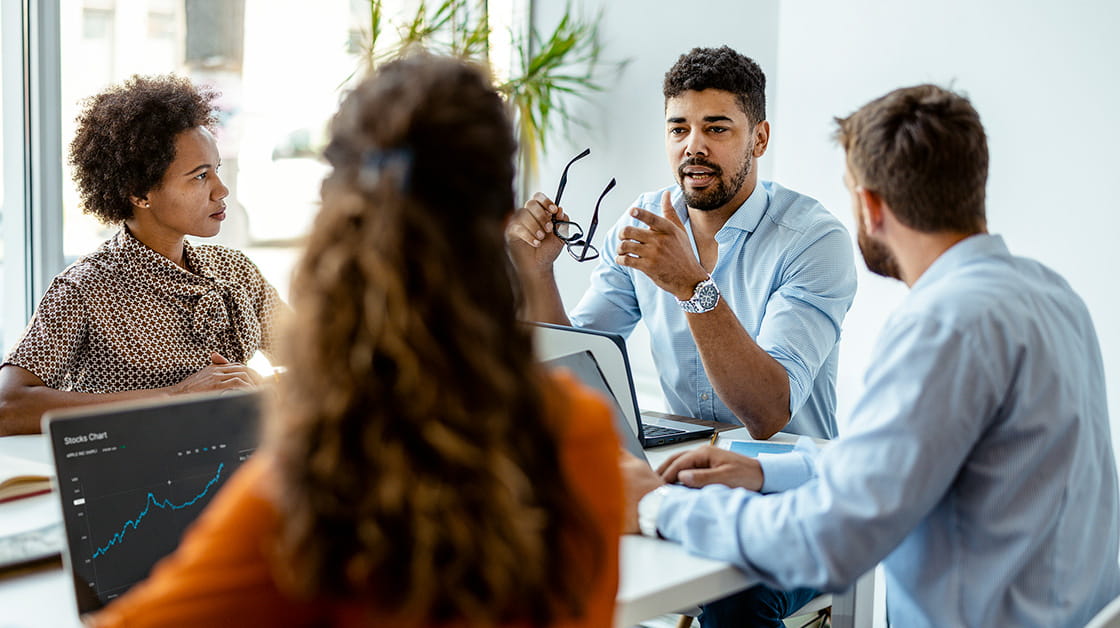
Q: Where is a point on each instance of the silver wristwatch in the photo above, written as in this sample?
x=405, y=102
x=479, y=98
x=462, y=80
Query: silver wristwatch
x=704, y=298
x=648, y=507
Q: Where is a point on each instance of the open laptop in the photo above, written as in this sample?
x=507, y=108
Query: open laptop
x=610, y=354
x=131, y=477
x=582, y=364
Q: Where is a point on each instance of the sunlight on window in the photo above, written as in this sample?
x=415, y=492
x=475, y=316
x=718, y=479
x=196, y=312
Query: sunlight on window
x=4, y=312
x=507, y=21
x=281, y=76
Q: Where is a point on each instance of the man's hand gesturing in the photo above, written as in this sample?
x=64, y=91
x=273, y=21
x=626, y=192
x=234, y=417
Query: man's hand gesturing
x=663, y=251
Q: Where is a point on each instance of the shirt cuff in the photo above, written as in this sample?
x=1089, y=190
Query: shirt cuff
x=648, y=508
x=781, y=472
x=674, y=498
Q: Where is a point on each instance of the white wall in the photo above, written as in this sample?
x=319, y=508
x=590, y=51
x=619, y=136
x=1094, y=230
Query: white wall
x=625, y=125
x=1043, y=77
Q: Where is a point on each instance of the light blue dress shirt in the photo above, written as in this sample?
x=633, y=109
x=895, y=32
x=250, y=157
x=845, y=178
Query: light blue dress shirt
x=785, y=268
x=978, y=467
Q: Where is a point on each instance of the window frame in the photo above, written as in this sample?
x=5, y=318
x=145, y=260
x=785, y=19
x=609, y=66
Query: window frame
x=32, y=221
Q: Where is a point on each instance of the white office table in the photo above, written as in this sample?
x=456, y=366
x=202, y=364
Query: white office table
x=38, y=595
x=656, y=577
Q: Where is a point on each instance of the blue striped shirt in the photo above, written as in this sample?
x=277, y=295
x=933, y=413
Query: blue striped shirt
x=786, y=270
x=978, y=465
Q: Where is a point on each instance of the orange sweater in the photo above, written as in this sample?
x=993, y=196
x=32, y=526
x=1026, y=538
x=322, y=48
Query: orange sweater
x=221, y=576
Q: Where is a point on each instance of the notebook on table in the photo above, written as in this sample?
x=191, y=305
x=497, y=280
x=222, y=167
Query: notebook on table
x=23, y=478
x=609, y=351
x=131, y=478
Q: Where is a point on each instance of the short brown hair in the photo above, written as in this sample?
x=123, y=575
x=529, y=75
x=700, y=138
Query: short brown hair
x=924, y=151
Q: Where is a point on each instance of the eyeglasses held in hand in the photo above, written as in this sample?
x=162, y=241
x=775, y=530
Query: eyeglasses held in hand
x=579, y=246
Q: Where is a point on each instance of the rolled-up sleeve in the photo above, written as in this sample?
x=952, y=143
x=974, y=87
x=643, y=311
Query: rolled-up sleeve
x=804, y=314
x=610, y=303
x=781, y=472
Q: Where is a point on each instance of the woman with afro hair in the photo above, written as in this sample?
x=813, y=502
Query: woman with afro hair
x=148, y=313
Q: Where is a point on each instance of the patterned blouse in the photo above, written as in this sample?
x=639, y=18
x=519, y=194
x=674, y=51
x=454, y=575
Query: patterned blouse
x=128, y=318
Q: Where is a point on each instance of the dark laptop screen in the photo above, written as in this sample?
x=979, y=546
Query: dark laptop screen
x=132, y=479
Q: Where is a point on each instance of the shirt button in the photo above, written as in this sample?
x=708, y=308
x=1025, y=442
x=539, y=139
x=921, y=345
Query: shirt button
x=704, y=397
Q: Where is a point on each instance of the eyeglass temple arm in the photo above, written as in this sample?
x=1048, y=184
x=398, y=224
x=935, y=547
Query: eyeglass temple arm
x=564, y=175
x=595, y=216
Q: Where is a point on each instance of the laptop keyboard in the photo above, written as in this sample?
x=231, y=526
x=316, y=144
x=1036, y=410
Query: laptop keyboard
x=657, y=431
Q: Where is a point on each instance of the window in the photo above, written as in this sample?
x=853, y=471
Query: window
x=14, y=157
x=4, y=285
x=279, y=71
x=281, y=67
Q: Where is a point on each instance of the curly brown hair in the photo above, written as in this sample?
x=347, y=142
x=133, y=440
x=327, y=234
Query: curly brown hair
x=720, y=68
x=416, y=448
x=126, y=139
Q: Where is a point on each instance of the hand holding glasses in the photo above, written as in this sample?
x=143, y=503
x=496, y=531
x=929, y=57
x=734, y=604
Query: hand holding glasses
x=579, y=246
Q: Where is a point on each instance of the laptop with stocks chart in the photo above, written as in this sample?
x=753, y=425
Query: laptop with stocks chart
x=131, y=478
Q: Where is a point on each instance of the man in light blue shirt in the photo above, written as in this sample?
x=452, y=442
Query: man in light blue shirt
x=743, y=284
x=978, y=464
x=784, y=269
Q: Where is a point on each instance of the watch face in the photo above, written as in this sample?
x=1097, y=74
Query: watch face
x=704, y=298
x=708, y=296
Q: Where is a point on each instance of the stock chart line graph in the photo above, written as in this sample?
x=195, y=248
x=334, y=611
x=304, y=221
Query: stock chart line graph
x=164, y=504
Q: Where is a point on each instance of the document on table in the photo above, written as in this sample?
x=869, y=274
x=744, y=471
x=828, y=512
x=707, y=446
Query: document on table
x=753, y=448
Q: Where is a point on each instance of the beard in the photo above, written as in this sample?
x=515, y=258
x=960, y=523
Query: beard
x=877, y=256
x=721, y=192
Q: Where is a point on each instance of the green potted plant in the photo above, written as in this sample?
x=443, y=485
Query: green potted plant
x=547, y=70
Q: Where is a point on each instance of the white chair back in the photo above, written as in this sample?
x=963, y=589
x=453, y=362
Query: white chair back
x=1109, y=617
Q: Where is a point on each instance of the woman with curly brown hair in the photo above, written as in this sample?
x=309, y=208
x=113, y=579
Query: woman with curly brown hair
x=148, y=313
x=420, y=469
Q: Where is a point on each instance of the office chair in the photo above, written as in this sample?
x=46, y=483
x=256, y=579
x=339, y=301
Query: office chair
x=1108, y=617
x=820, y=605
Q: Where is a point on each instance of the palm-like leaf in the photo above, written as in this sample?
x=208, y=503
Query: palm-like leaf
x=551, y=69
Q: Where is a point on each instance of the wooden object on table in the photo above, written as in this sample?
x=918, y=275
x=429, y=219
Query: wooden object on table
x=719, y=426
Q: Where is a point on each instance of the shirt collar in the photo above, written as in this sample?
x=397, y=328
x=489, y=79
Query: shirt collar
x=745, y=218
x=961, y=254
x=131, y=246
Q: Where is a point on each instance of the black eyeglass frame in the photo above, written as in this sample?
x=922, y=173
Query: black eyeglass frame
x=579, y=247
